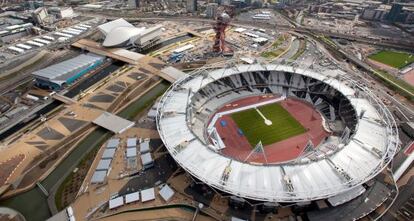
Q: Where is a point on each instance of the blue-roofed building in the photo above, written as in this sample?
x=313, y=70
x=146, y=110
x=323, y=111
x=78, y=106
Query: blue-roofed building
x=58, y=75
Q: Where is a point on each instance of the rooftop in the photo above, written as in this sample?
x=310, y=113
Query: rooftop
x=60, y=72
x=113, y=122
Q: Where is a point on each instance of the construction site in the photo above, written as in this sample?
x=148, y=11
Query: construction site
x=226, y=116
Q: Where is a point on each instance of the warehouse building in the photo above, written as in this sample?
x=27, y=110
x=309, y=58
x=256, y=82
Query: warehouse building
x=58, y=75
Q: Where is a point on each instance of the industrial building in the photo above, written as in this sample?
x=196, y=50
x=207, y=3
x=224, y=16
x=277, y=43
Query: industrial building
x=120, y=33
x=58, y=75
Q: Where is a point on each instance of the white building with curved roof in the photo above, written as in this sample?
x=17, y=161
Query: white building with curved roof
x=120, y=33
x=121, y=36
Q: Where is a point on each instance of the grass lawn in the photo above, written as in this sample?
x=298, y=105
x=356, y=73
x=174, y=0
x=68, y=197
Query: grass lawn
x=253, y=126
x=279, y=41
x=272, y=54
x=302, y=48
x=393, y=58
x=275, y=51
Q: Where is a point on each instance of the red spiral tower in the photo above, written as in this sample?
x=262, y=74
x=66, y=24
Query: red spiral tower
x=220, y=47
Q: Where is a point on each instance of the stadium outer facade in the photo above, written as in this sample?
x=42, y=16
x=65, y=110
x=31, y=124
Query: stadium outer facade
x=357, y=156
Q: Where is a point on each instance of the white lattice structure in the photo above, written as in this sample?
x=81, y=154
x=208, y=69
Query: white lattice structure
x=370, y=148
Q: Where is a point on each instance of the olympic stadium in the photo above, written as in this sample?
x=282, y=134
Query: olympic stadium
x=277, y=132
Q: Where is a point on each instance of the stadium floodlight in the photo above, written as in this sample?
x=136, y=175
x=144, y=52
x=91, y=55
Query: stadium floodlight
x=258, y=149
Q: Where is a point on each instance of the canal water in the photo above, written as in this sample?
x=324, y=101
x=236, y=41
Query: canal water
x=33, y=204
x=89, y=82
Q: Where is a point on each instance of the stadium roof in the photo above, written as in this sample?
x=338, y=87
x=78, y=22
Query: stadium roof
x=287, y=182
x=62, y=71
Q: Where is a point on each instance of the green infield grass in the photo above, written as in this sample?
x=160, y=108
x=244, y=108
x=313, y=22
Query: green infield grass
x=254, y=128
x=393, y=58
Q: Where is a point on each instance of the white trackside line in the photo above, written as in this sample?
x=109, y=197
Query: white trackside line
x=266, y=121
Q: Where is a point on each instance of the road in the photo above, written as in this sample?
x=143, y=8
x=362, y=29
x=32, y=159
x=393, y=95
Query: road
x=406, y=108
x=392, y=43
x=403, y=106
x=25, y=75
x=400, y=104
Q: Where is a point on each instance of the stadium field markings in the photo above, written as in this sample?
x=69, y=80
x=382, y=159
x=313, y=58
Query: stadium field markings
x=255, y=129
x=266, y=121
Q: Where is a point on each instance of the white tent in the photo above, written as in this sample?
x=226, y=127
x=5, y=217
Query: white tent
x=116, y=202
x=166, y=192
x=131, y=152
x=148, y=195
x=99, y=176
x=147, y=161
x=132, y=142
x=112, y=143
x=132, y=197
x=104, y=164
x=144, y=147
x=108, y=154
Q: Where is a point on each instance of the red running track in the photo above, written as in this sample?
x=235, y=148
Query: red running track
x=239, y=148
x=410, y=149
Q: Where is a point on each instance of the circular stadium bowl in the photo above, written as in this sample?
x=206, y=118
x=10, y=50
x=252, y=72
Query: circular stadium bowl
x=364, y=138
